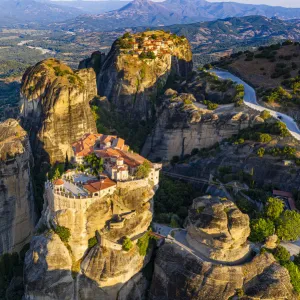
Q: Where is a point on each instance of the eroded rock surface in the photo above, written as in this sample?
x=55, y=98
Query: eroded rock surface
x=180, y=275
x=132, y=81
x=102, y=270
x=218, y=229
x=55, y=107
x=183, y=125
x=17, y=210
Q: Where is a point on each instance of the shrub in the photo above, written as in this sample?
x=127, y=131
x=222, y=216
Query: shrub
x=127, y=244
x=210, y=105
x=265, y=115
x=263, y=137
x=143, y=244
x=92, y=242
x=63, y=232
x=147, y=55
x=143, y=170
x=240, y=141
x=281, y=254
x=261, y=152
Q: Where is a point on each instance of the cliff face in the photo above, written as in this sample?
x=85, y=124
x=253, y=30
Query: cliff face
x=55, y=107
x=102, y=270
x=184, y=124
x=138, y=67
x=180, y=275
x=17, y=212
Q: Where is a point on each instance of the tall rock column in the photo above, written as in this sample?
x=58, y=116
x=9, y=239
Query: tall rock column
x=17, y=211
x=55, y=107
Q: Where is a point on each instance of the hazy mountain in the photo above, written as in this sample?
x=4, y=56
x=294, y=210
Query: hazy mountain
x=229, y=33
x=148, y=13
x=95, y=7
x=20, y=12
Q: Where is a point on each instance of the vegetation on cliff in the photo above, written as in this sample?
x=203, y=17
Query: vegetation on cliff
x=172, y=200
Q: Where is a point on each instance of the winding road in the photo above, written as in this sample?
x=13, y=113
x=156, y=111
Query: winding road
x=250, y=100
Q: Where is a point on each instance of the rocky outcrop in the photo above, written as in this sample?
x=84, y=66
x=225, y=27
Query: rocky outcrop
x=184, y=124
x=47, y=272
x=17, y=211
x=218, y=229
x=138, y=67
x=55, y=107
x=100, y=271
x=180, y=275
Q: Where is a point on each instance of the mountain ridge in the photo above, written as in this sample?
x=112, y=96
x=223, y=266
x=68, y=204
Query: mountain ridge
x=168, y=12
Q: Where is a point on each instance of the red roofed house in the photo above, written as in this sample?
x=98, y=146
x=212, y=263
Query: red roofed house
x=101, y=187
x=84, y=146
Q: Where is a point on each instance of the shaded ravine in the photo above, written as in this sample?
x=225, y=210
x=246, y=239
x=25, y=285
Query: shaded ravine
x=250, y=100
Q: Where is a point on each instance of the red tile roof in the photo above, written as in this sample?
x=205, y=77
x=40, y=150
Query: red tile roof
x=58, y=182
x=96, y=186
x=282, y=194
x=85, y=145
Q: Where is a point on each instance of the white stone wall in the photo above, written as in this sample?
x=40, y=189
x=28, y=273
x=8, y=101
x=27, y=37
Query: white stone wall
x=58, y=202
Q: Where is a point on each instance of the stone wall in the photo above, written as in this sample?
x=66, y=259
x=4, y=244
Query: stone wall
x=58, y=202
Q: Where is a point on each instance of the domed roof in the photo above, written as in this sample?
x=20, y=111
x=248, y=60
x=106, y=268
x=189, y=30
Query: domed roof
x=58, y=182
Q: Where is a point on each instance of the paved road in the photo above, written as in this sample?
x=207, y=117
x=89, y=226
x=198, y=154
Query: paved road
x=251, y=101
x=292, y=247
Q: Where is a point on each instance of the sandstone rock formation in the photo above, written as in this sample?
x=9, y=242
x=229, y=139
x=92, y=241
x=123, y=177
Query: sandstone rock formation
x=55, y=107
x=180, y=275
x=98, y=272
x=17, y=210
x=218, y=229
x=183, y=125
x=138, y=67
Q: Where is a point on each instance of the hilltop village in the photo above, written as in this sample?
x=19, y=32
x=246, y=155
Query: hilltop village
x=150, y=44
x=116, y=164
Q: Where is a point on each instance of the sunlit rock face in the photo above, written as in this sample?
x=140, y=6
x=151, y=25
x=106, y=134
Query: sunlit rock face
x=55, y=107
x=103, y=271
x=180, y=275
x=183, y=125
x=137, y=68
x=218, y=229
x=17, y=210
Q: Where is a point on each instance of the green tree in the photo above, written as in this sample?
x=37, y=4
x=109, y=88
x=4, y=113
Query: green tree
x=265, y=115
x=294, y=275
x=281, y=254
x=288, y=226
x=56, y=174
x=274, y=208
x=92, y=242
x=67, y=164
x=127, y=244
x=143, y=244
x=63, y=232
x=261, y=152
x=263, y=137
x=261, y=229
x=143, y=170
